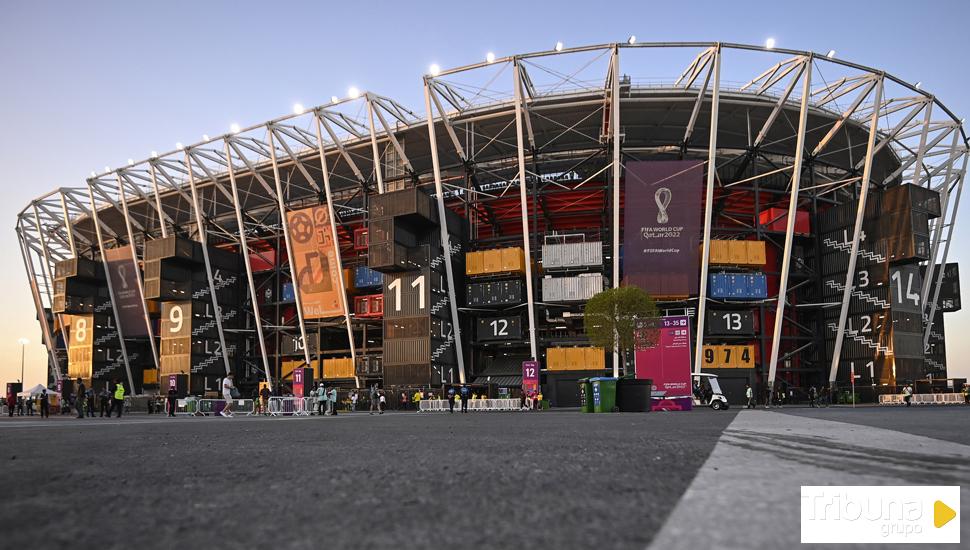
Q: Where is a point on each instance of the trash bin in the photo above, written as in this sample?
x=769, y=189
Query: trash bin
x=604, y=394
x=633, y=395
x=585, y=395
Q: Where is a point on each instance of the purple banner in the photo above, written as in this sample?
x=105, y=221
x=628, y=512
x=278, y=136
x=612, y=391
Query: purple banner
x=530, y=375
x=665, y=359
x=662, y=228
x=124, y=283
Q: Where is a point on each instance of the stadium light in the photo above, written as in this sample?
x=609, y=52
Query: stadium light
x=178, y=145
x=490, y=57
x=558, y=47
x=131, y=162
x=353, y=92
x=234, y=128
x=205, y=137
x=334, y=99
x=434, y=69
x=94, y=174
x=154, y=154
x=831, y=54
x=298, y=109
x=919, y=84
x=107, y=169
x=770, y=43
x=632, y=40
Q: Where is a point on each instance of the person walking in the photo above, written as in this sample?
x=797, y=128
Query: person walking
x=30, y=405
x=403, y=401
x=907, y=394
x=11, y=403
x=416, y=399
x=45, y=405
x=89, y=399
x=451, y=399
x=105, y=401
x=118, y=402
x=465, y=393
x=749, y=395
x=374, y=399
x=322, y=400
x=353, y=401
x=966, y=394
x=20, y=406
x=172, y=401
x=332, y=400
x=227, y=389
x=79, y=401
x=382, y=403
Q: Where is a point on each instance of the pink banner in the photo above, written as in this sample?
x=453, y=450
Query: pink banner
x=530, y=375
x=666, y=361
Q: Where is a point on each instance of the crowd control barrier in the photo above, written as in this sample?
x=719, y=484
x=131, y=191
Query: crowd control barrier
x=291, y=406
x=438, y=405
x=215, y=406
x=923, y=399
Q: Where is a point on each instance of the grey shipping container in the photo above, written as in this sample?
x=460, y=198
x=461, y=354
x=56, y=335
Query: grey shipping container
x=572, y=255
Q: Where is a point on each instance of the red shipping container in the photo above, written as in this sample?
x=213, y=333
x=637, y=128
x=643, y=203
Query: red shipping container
x=360, y=238
x=776, y=219
x=264, y=260
x=370, y=306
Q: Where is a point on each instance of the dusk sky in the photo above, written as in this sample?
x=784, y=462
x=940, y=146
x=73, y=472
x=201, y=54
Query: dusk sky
x=90, y=84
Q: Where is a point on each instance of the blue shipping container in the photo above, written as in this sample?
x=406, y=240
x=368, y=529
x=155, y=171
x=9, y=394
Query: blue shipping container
x=288, y=295
x=365, y=277
x=718, y=283
x=738, y=286
x=757, y=286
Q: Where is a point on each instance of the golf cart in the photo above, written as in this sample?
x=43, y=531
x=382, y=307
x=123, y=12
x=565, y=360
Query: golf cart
x=707, y=392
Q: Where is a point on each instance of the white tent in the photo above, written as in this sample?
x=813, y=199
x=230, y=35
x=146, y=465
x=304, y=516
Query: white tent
x=37, y=390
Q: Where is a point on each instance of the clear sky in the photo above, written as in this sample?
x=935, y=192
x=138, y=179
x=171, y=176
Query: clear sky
x=85, y=85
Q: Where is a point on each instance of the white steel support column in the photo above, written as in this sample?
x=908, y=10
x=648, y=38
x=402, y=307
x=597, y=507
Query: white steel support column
x=517, y=82
x=39, y=306
x=321, y=150
x=856, y=233
x=373, y=145
x=70, y=228
x=217, y=311
x=938, y=229
x=446, y=238
x=158, y=199
x=285, y=224
x=921, y=151
x=617, y=172
x=244, y=248
x=790, y=230
x=137, y=270
x=708, y=210
x=111, y=291
x=946, y=249
x=47, y=265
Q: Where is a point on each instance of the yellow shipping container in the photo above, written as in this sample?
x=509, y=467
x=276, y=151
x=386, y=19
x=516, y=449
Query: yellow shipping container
x=150, y=377
x=288, y=367
x=738, y=252
x=576, y=358
x=556, y=358
x=595, y=358
x=492, y=262
x=342, y=367
x=513, y=259
x=756, y=253
x=744, y=357
x=349, y=279
x=720, y=253
x=474, y=263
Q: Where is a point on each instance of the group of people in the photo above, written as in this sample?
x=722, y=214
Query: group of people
x=111, y=398
x=25, y=407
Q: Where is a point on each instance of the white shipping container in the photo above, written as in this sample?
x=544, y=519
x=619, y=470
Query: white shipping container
x=590, y=286
x=593, y=254
x=552, y=256
x=551, y=289
x=571, y=289
x=572, y=254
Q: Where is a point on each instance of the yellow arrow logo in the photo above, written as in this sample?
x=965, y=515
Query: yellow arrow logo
x=942, y=514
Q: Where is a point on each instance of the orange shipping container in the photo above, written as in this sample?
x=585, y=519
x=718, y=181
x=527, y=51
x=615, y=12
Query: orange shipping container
x=492, y=262
x=349, y=279
x=756, y=253
x=556, y=358
x=150, y=377
x=474, y=263
x=342, y=367
x=738, y=252
x=595, y=358
x=720, y=254
x=513, y=259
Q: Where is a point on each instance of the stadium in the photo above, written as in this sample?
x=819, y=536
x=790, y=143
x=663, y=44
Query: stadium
x=797, y=207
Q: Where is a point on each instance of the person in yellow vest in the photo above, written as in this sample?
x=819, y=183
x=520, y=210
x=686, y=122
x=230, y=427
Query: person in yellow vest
x=118, y=400
x=416, y=399
x=539, y=401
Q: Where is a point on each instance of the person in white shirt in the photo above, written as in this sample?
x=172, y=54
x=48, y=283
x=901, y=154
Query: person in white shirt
x=227, y=387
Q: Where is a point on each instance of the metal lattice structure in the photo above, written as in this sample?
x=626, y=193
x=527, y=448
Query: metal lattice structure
x=527, y=146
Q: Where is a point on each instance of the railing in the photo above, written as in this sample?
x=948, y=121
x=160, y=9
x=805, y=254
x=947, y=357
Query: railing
x=206, y=407
x=923, y=399
x=439, y=405
x=291, y=406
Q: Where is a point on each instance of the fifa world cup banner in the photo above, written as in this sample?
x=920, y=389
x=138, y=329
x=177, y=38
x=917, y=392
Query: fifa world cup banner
x=315, y=262
x=664, y=357
x=128, y=297
x=662, y=227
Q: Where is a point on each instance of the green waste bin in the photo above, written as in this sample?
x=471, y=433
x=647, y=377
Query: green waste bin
x=585, y=395
x=604, y=394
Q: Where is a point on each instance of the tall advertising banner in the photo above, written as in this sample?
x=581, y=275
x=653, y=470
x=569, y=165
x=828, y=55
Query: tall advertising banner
x=530, y=376
x=315, y=263
x=665, y=358
x=128, y=297
x=662, y=227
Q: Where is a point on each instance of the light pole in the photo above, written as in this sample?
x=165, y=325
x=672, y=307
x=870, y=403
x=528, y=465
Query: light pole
x=23, y=344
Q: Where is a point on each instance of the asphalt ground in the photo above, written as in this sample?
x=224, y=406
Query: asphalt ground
x=405, y=480
x=944, y=422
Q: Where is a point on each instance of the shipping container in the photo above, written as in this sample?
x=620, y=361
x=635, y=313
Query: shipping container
x=80, y=268
x=173, y=247
x=339, y=368
x=492, y=261
x=575, y=358
x=738, y=252
x=364, y=277
x=287, y=295
x=360, y=238
x=738, y=286
x=571, y=289
x=369, y=365
x=494, y=293
x=776, y=219
x=720, y=253
x=757, y=255
x=513, y=260
x=572, y=255
x=407, y=351
x=499, y=328
x=474, y=263
x=369, y=306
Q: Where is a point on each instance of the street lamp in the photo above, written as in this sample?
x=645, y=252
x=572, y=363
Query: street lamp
x=23, y=344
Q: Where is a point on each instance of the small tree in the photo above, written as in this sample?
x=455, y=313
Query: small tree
x=611, y=316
